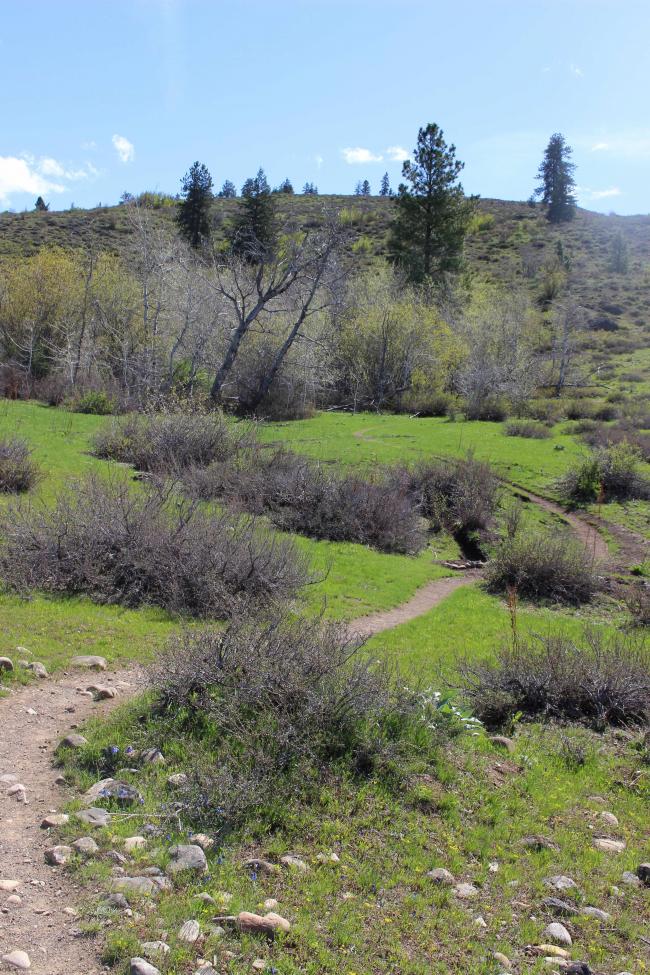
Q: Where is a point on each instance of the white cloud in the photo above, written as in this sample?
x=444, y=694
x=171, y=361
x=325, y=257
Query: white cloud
x=124, y=148
x=21, y=176
x=52, y=167
x=600, y=147
x=359, y=155
x=576, y=71
x=397, y=153
x=634, y=144
x=319, y=161
x=603, y=194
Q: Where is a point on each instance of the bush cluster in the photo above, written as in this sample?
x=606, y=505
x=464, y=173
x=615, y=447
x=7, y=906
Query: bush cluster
x=608, y=474
x=300, y=495
x=279, y=703
x=116, y=545
x=18, y=472
x=598, y=435
x=600, y=681
x=526, y=428
x=456, y=495
x=543, y=568
x=168, y=442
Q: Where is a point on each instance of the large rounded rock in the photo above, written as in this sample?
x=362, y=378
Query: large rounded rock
x=187, y=856
x=141, y=886
x=74, y=741
x=94, y=816
x=17, y=959
x=6, y=664
x=189, y=932
x=58, y=856
x=557, y=934
x=441, y=876
x=85, y=845
x=138, y=966
x=609, y=846
x=89, y=662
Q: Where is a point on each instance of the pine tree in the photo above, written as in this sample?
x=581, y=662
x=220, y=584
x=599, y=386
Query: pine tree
x=384, y=189
x=228, y=191
x=358, y=189
x=365, y=188
x=285, y=186
x=193, y=215
x=556, y=183
x=41, y=205
x=619, y=256
x=433, y=213
x=310, y=189
x=253, y=231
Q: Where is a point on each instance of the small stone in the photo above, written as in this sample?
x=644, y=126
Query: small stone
x=54, y=819
x=502, y=742
x=8, y=779
x=480, y=922
x=557, y=934
x=268, y=924
x=189, y=932
x=205, y=897
x=101, y=693
x=14, y=900
x=441, y=876
x=560, y=882
x=18, y=959
x=502, y=959
x=466, y=891
x=258, y=965
x=609, y=818
x=206, y=970
x=328, y=858
x=176, y=780
x=630, y=879
x=262, y=866
x=152, y=872
x=187, y=857
x=74, y=741
x=153, y=756
x=596, y=913
x=271, y=904
x=295, y=863
x=58, y=856
x=150, y=949
x=6, y=664
x=559, y=907
x=18, y=792
x=117, y=902
x=203, y=840
x=94, y=816
x=537, y=842
x=599, y=800
x=38, y=668
x=134, y=843
x=609, y=846
x=8, y=886
x=643, y=873
x=60, y=780
x=138, y=966
x=89, y=662
x=143, y=886
x=551, y=951
x=85, y=845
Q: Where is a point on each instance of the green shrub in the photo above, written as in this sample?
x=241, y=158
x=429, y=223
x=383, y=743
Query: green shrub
x=543, y=568
x=609, y=474
x=94, y=402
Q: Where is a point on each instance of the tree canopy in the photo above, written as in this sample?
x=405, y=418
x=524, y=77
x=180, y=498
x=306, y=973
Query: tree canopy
x=556, y=183
x=193, y=216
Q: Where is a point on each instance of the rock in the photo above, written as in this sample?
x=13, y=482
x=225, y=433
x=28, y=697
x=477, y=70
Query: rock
x=270, y=904
x=121, y=792
x=600, y=800
x=9, y=886
x=134, y=843
x=97, y=789
x=262, y=866
x=89, y=662
x=441, y=876
x=596, y=913
x=295, y=863
x=14, y=900
x=85, y=845
x=153, y=756
x=38, y=668
x=328, y=858
x=187, y=857
x=502, y=959
x=258, y=965
x=559, y=907
x=609, y=846
x=118, y=857
x=631, y=879
x=17, y=959
x=60, y=780
x=176, y=780
x=6, y=664
x=189, y=932
x=57, y=856
x=101, y=693
x=202, y=840
x=480, y=922
x=466, y=891
x=143, y=886
x=54, y=819
x=557, y=934
x=162, y=883
x=536, y=842
x=206, y=970
x=138, y=966
x=205, y=897
x=609, y=818
x=18, y=792
x=74, y=741
x=560, y=882
x=577, y=968
x=502, y=742
x=152, y=872
x=8, y=778
x=117, y=901
x=94, y=816
x=643, y=873
x=150, y=949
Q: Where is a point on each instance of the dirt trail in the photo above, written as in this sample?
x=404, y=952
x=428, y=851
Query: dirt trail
x=40, y=925
x=581, y=526
x=421, y=602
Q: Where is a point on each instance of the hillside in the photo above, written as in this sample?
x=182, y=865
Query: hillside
x=512, y=241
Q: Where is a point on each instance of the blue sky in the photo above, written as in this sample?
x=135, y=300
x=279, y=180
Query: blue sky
x=102, y=96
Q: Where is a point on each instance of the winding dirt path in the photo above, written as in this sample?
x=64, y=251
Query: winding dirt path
x=33, y=719
x=582, y=527
x=424, y=599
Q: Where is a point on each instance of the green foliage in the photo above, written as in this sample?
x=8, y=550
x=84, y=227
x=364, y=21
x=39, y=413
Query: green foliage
x=193, y=215
x=95, y=402
x=610, y=473
x=556, y=182
x=253, y=230
x=433, y=214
